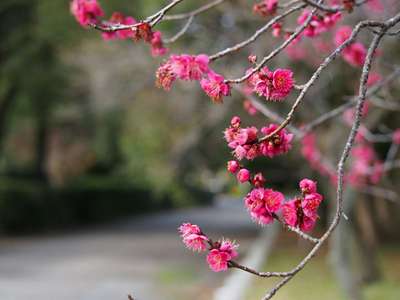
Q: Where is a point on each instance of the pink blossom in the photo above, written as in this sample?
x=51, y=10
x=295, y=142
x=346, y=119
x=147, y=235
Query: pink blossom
x=233, y=166
x=252, y=58
x=218, y=260
x=249, y=107
x=342, y=34
x=143, y=31
x=190, y=67
x=311, y=153
x=330, y=19
x=157, y=46
x=240, y=136
x=375, y=5
x=294, y=216
x=366, y=167
x=196, y=242
x=266, y=7
x=263, y=204
x=318, y=23
x=215, y=87
x=258, y=180
x=219, y=257
x=119, y=18
x=280, y=143
x=373, y=78
x=86, y=11
x=311, y=203
x=165, y=76
x=282, y=82
x=229, y=247
x=276, y=29
x=273, y=86
x=187, y=229
x=236, y=121
x=355, y=54
x=243, y=175
x=396, y=136
x=192, y=237
x=308, y=186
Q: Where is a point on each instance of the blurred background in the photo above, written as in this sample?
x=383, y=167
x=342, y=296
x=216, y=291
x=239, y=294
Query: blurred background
x=98, y=167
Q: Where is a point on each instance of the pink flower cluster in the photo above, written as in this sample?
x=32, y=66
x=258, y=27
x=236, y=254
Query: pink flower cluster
x=273, y=85
x=355, y=53
x=301, y=212
x=245, y=144
x=265, y=7
x=366, y=168
x=319, y=23
x=220, y=252
x=86, y=11
x=249, y=107
x=311, y=152
x=192, y=237
x=263, y=204
x=192, y=67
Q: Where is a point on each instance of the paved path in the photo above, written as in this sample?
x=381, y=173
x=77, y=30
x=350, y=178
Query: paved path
x=142, y=256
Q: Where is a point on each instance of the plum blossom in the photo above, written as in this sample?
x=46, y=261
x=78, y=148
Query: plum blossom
x=310, y=204
x=396, y=136
x=233, y=166
x=274, y=86
x=276, y=29
x=119, y=18
x=242, y=140
x=355, y=53
x=249, y=107
x=215, y=87
x=280, y=143
x=308, y=186
x=366, y=167
x=185, y=67
x=219, y=257
x=86, y=11
x=318, y=23
x=265, y=7
x=157, y=46
x=310, y=151
x=243, y=175
x=192, y=237
x=293, y=215
x=263, y=204
x=165, y=76
x=258, y=180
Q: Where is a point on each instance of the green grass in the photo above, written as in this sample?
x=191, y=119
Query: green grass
x=317, y=282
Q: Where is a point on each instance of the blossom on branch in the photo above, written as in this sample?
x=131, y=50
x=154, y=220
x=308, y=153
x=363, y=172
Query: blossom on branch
x=192, y=237
x=263, y=204
x=219, y=257
x=275, y=86
x=266, y=7
x=280, y=143
x=86, y=11
x=215, y=87
x=119, y=18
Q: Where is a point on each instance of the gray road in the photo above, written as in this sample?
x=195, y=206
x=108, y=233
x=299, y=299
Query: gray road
x=142, y=256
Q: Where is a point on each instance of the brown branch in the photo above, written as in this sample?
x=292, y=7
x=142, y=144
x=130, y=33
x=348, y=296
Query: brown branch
x=254, y=37
x=317, y=73
x=193, y=13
